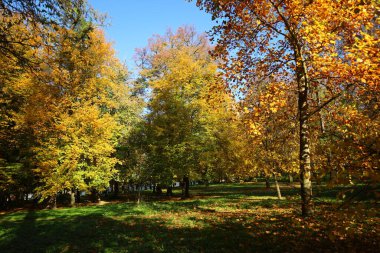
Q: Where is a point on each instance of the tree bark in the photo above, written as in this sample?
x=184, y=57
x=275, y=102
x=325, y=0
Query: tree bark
x=277, y=187
x=72, y=197
x=304, y=156
x=53, y=202
x=185, y=187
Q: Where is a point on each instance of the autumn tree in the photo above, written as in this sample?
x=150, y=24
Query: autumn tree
x=75, y=106
x=269, y=114
x=181, y=127
x=15, y=142
x=131, y=140
x=26, y=26
x=28, y=31
x=305, y=44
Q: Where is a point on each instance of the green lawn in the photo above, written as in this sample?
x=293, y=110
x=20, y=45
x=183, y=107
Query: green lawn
x=220, y=218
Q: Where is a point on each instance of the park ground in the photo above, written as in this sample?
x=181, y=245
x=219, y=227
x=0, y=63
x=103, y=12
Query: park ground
x=242, y=217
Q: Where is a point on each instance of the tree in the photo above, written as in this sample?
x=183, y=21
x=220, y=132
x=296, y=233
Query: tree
x=15, y=141
x=30, y=33
x=182, y=129
x=269, y=115
x=73, y=106
x=305, y=44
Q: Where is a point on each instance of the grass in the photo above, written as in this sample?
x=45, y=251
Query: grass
x=220, y=218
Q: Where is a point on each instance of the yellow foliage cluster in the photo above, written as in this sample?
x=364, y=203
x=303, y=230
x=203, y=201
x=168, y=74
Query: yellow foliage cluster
x=69, y=107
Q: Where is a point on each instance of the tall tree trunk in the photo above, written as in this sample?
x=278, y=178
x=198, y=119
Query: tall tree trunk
x=321, y=119
x=185, y=187
x=77, y=196
x=304, y=157
x=72, y=197
x=277, y=187
x=322, y=125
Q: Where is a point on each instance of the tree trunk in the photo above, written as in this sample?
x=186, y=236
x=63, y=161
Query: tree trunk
x=267, y=183
x=277, y=187
x=138, y=194
x=35, y=201
x=321, y=119
x=53, y=202
x=169, y=191
x=94, y=196
x=72, y=197
x=305, y=166
x=77, y=196
x=116, y=189
x=158, y=190
x=3, y=201
x=185, y=187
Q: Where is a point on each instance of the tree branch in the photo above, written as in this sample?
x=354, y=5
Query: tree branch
x=327, y=102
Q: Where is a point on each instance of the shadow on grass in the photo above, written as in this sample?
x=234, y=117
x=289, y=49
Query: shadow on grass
x=193, y=225
x=228, y=233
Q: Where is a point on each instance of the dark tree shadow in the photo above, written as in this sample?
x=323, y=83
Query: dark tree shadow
x=98, y=233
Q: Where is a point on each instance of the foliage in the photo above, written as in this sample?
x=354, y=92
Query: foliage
x=185, y=136
x=63, y=118
x=269, y=122
x=42, y=18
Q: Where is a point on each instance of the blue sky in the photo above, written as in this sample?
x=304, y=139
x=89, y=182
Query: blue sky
x=133, y=22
